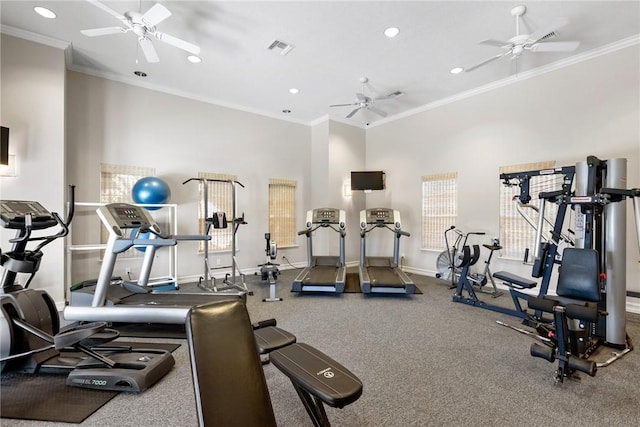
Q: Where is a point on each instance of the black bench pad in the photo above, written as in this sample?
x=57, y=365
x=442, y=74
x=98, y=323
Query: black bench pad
x=272, y=338
x=514, y=279
x=318, y=374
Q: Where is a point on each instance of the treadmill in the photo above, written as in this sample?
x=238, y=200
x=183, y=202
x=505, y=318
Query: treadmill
x=112, y=300
x=382, y=274
x=32, y=340
x=323, y=273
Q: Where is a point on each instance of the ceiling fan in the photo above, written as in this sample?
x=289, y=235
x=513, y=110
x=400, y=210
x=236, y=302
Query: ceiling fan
x=534, y=42
x=143, y=26
x=366, y=102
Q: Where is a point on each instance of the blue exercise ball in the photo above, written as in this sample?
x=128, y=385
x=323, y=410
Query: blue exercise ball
x=151, y=191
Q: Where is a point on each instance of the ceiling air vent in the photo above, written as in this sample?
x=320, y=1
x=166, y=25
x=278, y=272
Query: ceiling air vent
x=283, y=47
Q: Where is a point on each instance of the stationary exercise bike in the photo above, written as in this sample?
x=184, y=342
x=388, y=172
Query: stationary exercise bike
x=32, y=341
x=449, y=262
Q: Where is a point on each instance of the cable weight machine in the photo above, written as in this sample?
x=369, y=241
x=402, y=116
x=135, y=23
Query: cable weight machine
x=589, y=308
x=235, y=279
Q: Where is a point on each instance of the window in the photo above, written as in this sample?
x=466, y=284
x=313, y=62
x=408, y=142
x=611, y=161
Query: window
x=516, y=234
x=282, y=212
x=439, y=208
x=220, y=199
x=116, y=182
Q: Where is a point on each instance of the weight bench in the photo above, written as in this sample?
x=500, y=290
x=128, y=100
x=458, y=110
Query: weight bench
x=514, y=281
x=317, y=378
x=269, y=338
x=230, y=386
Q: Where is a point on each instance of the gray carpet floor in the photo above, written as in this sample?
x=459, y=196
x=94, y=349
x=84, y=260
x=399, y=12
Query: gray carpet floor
x=424, y=361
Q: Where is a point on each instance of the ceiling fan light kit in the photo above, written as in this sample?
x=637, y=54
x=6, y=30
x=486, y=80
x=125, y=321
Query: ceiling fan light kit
x=538, y=41
x=143, y=25
x=365, y=102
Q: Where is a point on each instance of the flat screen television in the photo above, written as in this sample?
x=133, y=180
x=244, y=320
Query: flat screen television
x=367, y=180
x=4, y=145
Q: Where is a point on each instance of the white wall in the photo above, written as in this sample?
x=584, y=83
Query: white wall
x=111, y=122
x=337, y=149
x=565, y=115
x=32, y=82
x=347, y=152
x=590, y=108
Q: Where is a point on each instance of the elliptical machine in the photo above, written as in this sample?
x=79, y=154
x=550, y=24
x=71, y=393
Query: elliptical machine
x=269, y=270
x=31, y=340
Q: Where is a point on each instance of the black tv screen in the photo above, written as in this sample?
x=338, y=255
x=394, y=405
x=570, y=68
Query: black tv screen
x=4, y=145
x=367, y=180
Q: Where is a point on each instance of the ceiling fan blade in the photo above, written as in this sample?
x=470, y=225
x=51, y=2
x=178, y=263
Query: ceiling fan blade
x=493, y=58
x=547, y=29
x=555, y=47
x=174, y=41
x=155, y=15
x=498, y=43
x=377, y=111
x=360, y=97
x=390, y=96
x=149, y=51
x=341, y=105
x=353, y=112
x=104, y=31
x=110, y=11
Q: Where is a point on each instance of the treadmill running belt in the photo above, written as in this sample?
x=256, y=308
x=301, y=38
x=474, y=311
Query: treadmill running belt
x=320, y=275
x=384, y=276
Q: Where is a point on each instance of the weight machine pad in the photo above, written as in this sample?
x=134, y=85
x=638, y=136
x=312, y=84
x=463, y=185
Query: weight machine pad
x=514, y=279
x=317, y=374
x=272, y=338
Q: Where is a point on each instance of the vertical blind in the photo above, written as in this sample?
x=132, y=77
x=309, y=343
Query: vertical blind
x=516, y=235
x=439, y=208
x=282, y=211
x=220, y=199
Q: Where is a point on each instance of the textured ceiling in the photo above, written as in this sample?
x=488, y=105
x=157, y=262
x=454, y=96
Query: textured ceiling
x=335, y=44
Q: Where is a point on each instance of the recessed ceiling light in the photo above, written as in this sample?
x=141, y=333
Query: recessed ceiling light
x=140, y=73
x=391, y=32
x=294, y=90
x=195, y=59
x=286, y=111
x=44, y=12
x=456, y=70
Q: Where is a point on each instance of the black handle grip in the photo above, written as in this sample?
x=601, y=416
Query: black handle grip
x=589, y=367
x=537, y=303
x=543, y=352
x=588, y=314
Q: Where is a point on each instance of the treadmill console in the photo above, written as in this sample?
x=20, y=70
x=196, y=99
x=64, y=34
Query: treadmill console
x=326, y=216
x=380, y=216
x=120, y=216
x=14, y=212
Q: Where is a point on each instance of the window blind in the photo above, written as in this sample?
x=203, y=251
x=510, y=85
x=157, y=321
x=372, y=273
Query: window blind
x=220, y=199
x=439, y=208
x=282, y=211
x=116, y=182
x=516, y=235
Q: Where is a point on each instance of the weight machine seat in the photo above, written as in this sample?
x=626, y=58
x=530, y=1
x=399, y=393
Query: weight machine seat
x=272, y=338
x=316, y=374
x=579, y=275
x=229, y=382
x=514, y=280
